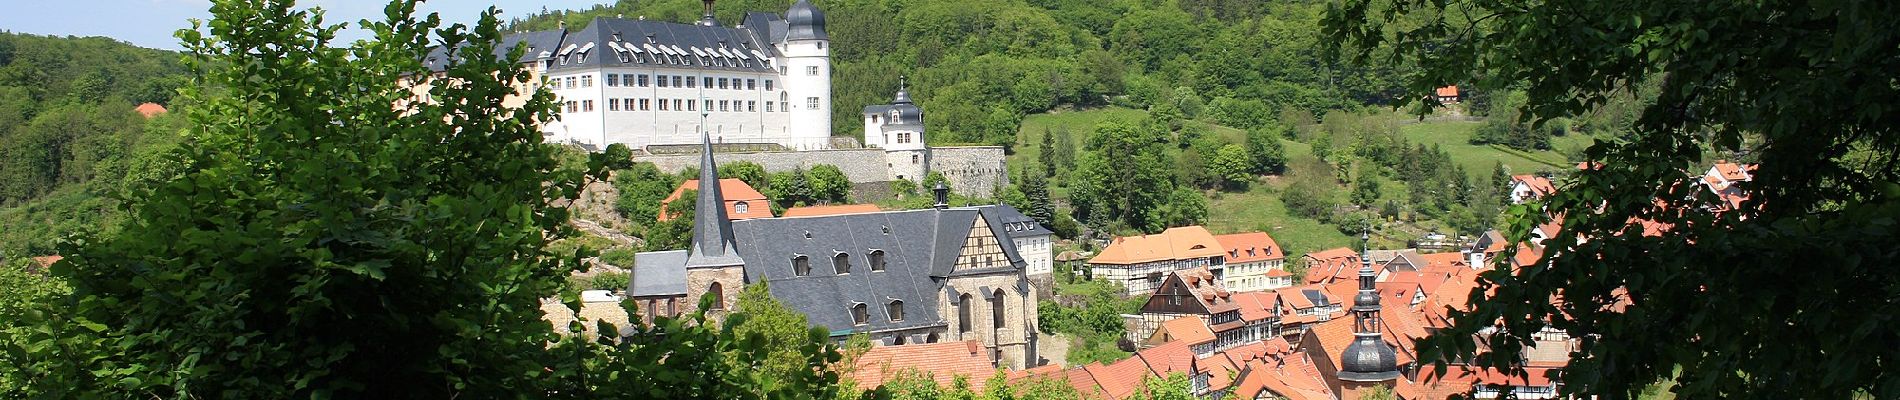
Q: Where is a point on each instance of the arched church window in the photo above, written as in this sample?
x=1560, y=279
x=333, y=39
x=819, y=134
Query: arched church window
x=718, y=293
x=963, y=313
x=996, y=309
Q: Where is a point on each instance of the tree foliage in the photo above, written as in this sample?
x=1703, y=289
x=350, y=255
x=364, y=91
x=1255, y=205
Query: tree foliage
x=1805, y=88
x=322, y=243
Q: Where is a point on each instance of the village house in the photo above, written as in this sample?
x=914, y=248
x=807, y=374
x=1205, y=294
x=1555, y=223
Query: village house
x=1254, y=262
x=1526, y=188
x=1140, y=262
x=742, y=201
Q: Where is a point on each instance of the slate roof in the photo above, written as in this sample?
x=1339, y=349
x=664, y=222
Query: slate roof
x=643, y=39
x=1017, y=224
x=536, y=41
x=919, y=246
x=658, y=273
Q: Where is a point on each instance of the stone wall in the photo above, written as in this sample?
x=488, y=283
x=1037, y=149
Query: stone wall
x=859, y=165
x=972, y=170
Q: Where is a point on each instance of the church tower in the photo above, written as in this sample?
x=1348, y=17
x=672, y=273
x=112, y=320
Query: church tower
x=712, y=264
x=1368, y=360
x=807, y=73
x=898, y=128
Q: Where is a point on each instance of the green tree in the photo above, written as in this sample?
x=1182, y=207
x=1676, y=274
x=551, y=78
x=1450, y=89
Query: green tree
x=1175, y=386
x=1123, y=177
x=789, y=188
x=1047, y=154
x=305, y=224
x=1036, y=198
x=676, y=232
x=1233, y=165
x=784, y=331
x=1378, y=392
x=1265, y=153
x=751, y=173
x=828, y=183
x=1365, y=185
x=642, y=186
x=1791, y=83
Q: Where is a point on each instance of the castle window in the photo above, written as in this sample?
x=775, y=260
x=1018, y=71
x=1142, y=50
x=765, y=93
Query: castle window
x=659, y=80
x=570, y=82
x=722, y=106
x=643, y=80
x=916, y=159
x=874, y=118
x=722, y=83
x=860, y=315
x=708, y=83
x=751, y=84
x=841, y=263
x=662, y=103
x=811, y=70
x=718, y=293
x=801, y=265
x=572, y=106
x=811, y=103
x=932, y=338
x=613, y=80
x=690, y=82
x=587, y=81
x=582, y=59
x=963, y=313
x=768, y=106
x=996, y=309
x=896, y=310
x=709, y=107
x=613, y=104
x=646, y=104
x=876, y=258
x=676, y=81
x=768, y=85
x=587, y=106
x=897, y=339
x=751, y=106
x=692, y=106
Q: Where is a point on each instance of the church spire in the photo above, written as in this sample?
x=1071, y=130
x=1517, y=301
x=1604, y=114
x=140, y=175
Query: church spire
x=712, y=231
x=1368, y=358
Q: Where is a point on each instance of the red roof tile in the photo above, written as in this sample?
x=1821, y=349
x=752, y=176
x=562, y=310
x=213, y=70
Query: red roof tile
x=1250, y=247
x=1182, y=243
x=1120, y=379
x=1331, y=265
x=1538, y=185
x=735, y=191
x=150, y=109
x=1189, y=329
x=1448, y=91
x=944, y=361
x=1170, y=357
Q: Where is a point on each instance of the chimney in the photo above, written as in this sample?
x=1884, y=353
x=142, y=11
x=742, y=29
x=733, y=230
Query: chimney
x=943, y=196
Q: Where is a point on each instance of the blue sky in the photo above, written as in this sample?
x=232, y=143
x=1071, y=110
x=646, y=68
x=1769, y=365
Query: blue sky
x=149, y=23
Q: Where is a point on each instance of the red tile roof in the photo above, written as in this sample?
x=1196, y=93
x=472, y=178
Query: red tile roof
x=1539, y=185
x=816, y=211
x=1448, y=91
x=1182, y=243
x=1189, y=329
x=1250, y=247
x=735, y=192
x=943, y=361
x=1255, y=306
x=1293, y=378
x=1120, y=379
x=1170, y=357
x=1331, y=265
x=47, y=261
x=150, y=109
x=1442, y=260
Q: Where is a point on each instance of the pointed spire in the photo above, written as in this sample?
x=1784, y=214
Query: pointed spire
x=712, y=231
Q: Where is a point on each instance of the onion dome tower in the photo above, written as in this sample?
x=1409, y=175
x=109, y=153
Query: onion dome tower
x=1368, y=359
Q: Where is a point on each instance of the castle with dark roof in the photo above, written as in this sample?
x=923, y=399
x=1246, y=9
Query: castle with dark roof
x=900, y=277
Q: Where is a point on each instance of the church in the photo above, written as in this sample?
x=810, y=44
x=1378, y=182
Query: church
x=765, y=81
x=900, y=277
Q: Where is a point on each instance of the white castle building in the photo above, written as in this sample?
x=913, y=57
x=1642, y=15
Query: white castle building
x=642, y=83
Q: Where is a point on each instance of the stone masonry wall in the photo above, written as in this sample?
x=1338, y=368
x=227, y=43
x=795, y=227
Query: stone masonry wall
x=972, y=170
x=859, y=165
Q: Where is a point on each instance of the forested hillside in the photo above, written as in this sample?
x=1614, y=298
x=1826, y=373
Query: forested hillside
x=980, y=66
x=69, y=138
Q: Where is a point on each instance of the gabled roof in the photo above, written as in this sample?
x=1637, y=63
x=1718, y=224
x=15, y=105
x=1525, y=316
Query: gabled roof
x=1255, y=306
x=918, y=246
x=818, y=211
x=734, y=191
x=1306, y=296
x=1443, y=262
x=1294, y=378
x=1447, y=91
x=1189, y=329
x=943, y=361
x=1120, y=379
x=1332, y=265
x=1731, y=171
x=1250, y=247
x=1538, y=185
x=1182, y=243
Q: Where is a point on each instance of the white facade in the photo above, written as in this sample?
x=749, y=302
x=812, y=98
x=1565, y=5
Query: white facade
x=1256, y=276
x=631, y=106
x=807, y=76
x=1037, y=253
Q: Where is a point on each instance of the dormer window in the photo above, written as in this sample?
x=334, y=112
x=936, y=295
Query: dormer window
x=841, y=263
x=860, y=315
x=876, y=258
x=801, y=265
x=739, y=207
x=896, y=310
